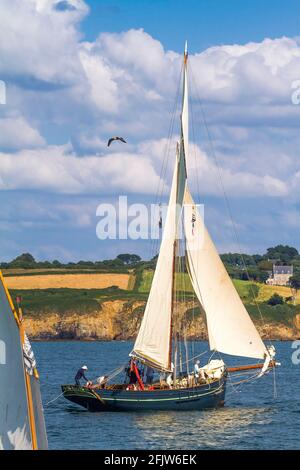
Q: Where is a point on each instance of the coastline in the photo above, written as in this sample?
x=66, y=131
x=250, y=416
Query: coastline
x=110, y=325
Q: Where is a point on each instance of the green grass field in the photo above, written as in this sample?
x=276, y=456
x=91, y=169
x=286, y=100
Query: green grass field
x=254, y=296
x=62, y=301
x=36, y=302
x=249, y=291
x=183, y=282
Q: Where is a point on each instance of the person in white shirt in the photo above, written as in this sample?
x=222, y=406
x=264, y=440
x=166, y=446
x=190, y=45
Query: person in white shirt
x=102, y=380
x=169, y=378
x=197, y=371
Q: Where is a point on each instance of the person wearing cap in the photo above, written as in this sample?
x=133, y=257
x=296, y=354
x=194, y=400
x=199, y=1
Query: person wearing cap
x=80, y=375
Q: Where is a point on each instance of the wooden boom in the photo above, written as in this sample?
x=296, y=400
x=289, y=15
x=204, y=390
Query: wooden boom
x=249, y=367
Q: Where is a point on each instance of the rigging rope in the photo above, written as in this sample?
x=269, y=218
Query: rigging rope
x=54, y=399
x=234, y=384
x=154, y=245
x=114, y=372
x=195, y=357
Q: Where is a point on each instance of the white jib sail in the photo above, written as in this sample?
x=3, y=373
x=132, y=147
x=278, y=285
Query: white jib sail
x=230, y=329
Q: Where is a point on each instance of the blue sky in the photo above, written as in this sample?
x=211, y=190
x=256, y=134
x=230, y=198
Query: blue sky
x=204, y=23
x=77, y=72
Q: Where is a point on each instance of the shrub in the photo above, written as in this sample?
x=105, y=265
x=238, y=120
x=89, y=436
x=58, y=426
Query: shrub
x=276, y=299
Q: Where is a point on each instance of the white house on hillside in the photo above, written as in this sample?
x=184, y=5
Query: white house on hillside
x=280, y=275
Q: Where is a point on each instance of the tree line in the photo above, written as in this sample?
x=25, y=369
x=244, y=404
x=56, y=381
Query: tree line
x=27, y=261
x=258, y=267
x=240, y=266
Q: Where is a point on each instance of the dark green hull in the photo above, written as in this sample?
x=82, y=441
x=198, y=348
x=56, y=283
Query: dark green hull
x=197, y=398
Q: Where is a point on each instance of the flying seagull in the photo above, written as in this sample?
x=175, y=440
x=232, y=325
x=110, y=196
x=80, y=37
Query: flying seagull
x=115, y=138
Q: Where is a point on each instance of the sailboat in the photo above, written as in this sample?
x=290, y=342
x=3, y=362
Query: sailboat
x=22, y=425
x=230, y=328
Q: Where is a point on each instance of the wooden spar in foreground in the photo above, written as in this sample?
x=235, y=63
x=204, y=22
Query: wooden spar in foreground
x=250, y=366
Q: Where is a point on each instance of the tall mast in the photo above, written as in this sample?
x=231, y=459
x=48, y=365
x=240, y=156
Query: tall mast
x=184, y=137
x=185, y=105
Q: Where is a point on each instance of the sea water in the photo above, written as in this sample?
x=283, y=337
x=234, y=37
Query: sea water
x=260, y=414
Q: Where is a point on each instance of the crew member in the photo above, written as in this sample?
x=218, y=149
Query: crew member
x=149, y=375
x=102, y=380
x=197, y=371
x=169, y=378
x=81, y=374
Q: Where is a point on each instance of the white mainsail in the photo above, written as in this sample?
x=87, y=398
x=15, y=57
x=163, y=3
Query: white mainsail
x=21, y=416
x=230, y=329
x=153, y=342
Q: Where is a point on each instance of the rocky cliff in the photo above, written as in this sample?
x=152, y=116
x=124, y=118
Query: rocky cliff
x=120, y=320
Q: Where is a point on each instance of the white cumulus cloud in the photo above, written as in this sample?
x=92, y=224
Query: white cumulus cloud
x=17, y=133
